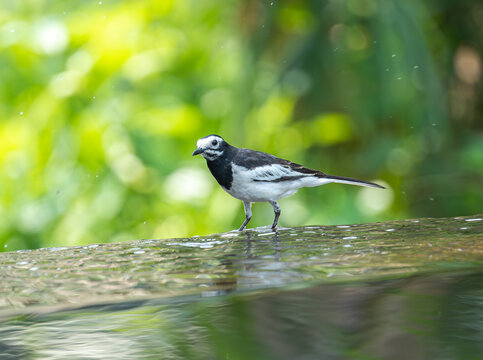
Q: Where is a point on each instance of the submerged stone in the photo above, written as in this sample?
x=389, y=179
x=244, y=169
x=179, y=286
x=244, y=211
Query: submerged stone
x=255, y=259
x=396, y=290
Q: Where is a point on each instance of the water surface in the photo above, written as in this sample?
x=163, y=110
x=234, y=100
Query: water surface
x=401, y=290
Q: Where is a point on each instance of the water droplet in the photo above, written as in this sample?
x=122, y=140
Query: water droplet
x=415, y=67
x=5, y=246
x=271, y=3
x=21, y=112
x=393, y=55
x=144, y=223
x=399, y=78
x=93, y=98
x=431, y=199
x=433, y=124
x=387, y=69
x=97, y=175
x=104, y=16
x=100, y=2
x=12, y=30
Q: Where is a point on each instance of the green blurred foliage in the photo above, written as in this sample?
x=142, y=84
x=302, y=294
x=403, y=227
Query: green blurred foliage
x=102, y=103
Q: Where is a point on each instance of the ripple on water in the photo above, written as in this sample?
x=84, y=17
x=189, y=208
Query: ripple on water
x=230, y=234
x=269, y=233
x=56, y=249
x=201, y=245
x=241, y=260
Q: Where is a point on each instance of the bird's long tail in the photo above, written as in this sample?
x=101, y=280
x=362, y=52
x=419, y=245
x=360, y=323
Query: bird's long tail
x=351, y=181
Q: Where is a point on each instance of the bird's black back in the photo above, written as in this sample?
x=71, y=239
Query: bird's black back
x=221, y=167
x=251, y=159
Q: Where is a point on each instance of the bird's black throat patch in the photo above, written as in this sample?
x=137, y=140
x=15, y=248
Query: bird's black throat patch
x=221, y=169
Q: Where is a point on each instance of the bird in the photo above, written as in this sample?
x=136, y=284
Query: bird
x=254, y=176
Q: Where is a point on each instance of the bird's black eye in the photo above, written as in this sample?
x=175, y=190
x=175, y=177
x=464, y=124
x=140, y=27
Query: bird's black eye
x=214, y=142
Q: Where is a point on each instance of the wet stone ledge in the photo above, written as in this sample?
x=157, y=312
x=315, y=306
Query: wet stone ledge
x=232, y=262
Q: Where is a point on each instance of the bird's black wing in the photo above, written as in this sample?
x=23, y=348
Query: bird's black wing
x=269, y=168
x=266, y=167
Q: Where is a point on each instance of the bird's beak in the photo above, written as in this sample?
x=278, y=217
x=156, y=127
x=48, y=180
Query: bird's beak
x=197, y=151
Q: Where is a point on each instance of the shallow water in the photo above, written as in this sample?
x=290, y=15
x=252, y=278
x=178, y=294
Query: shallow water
x=401, y=290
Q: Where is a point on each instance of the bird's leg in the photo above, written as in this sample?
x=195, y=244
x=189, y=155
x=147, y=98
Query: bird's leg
x=248, y=214
x=276, y=208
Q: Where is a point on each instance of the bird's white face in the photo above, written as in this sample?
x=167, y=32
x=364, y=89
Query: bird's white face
x=210, y=147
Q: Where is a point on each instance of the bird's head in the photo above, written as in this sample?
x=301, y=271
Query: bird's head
x=210, y=147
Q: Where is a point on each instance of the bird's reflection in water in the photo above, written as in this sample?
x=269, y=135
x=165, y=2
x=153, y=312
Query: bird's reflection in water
x=253, y=259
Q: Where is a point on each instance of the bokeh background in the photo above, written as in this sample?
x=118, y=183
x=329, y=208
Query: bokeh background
x=101, y=104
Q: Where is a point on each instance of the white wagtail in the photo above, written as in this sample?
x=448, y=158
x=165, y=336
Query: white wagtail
x=254, y=176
